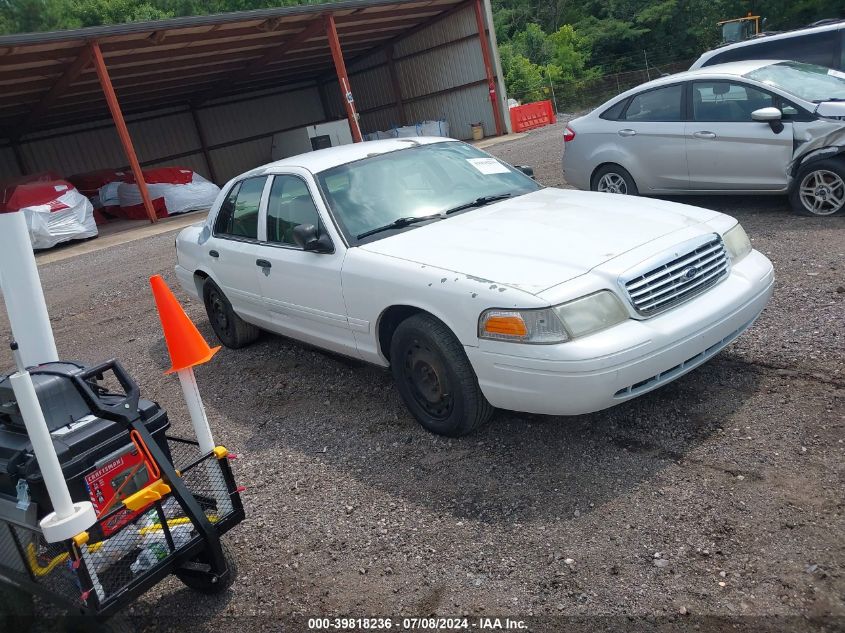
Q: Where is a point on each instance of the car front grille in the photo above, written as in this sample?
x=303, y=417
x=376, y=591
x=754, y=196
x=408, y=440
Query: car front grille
x=678, y=277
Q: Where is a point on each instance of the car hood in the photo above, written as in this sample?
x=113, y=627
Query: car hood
x=541, y=239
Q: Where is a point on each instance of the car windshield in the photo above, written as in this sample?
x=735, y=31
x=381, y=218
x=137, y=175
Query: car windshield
x=387, y=192
x=806, y=81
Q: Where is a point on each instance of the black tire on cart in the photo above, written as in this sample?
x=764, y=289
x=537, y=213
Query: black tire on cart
x=206, y=582
x=231, y=329
x=435, y=378
x=819, y=188
x=17, y=609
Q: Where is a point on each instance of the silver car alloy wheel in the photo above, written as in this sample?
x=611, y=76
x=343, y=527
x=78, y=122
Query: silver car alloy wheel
x=822, y=192
x=612, y=183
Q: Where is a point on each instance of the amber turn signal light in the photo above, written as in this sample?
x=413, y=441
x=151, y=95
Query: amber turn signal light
x=511, y=325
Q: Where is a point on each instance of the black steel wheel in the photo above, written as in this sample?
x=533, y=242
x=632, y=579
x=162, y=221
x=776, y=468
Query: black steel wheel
x=231, y=329
x=202, y=581
x=435, y=379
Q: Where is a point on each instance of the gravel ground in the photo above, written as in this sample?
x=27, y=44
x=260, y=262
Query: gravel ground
x=720, y=494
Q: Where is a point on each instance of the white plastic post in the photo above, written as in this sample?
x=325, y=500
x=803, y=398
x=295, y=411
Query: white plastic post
x=68, y=518
x=202, y=430
x=22, y=293
x=199, y=420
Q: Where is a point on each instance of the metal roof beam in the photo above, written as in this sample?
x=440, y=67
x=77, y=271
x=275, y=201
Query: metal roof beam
x=384, y=46
x=314, y=29
x=70, y=75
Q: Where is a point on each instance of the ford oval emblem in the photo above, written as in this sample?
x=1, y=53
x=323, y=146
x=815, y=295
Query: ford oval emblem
x=690, y=273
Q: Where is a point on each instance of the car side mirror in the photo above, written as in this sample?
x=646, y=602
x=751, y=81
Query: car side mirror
x=525, y=169
x=309, y=238
x=772, y=116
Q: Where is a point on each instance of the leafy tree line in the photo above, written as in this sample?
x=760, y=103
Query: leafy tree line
x=561, y=44
x=571, y=44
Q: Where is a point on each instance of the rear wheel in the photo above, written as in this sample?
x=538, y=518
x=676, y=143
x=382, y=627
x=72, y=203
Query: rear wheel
x=819, y=188
x=435, y=378
x=613, y=179
x=231, y=329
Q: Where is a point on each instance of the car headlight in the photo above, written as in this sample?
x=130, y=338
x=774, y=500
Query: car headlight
x=557, y=324
x=737, y=243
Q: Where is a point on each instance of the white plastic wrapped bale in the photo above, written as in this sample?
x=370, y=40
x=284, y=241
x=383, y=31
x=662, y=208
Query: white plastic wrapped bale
x=183, y=190
x=439, y=127
x=434, y=128
x=55, y=212
x=108, y=194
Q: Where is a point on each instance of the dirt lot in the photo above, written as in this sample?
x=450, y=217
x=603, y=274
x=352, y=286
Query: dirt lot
x=718, y=495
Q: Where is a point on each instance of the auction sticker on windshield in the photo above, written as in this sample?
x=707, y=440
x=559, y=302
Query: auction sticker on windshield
x=488, y=165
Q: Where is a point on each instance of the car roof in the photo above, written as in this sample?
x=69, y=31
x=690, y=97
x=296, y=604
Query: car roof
x=323, y=159
x=729, y=69
x=769, y=37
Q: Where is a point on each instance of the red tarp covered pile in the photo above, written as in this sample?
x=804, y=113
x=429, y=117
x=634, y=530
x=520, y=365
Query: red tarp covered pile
x=100, y=187
x=173, y=190
x=55, y=211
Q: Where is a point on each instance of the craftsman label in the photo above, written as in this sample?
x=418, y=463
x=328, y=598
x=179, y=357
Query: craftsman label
x=112, y=482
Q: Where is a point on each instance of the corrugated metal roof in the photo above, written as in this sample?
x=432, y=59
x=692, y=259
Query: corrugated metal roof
x=190, y=60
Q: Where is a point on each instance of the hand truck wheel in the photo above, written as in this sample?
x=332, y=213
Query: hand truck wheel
x=17, y=609
x=205, y=581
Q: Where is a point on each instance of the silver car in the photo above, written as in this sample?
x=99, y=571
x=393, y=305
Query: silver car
x=750, y=127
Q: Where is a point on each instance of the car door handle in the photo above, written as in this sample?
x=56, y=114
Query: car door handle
x=214, y=253
x=627, y=132
x=704, y=134
x=263, y=263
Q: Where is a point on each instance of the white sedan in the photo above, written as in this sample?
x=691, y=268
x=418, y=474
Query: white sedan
x=478, y=287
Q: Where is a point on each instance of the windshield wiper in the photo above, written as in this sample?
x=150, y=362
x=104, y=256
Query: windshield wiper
x=479, y=202
x=835, y=99
x=400, y=223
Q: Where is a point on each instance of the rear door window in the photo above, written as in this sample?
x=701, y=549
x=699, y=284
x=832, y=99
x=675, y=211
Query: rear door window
x=662, y=104
x=238, y=215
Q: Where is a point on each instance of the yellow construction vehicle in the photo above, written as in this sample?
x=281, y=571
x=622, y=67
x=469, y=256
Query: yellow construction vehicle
x=740, y=29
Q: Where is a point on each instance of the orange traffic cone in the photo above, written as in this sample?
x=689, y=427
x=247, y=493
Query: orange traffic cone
x=186, y=345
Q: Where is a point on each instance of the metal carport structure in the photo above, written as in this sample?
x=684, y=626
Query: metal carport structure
x=189, y=89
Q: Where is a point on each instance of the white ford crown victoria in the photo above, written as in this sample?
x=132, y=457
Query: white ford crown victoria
x=477, y=287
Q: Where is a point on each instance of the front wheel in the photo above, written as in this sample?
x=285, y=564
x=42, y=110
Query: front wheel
x=614, y=179
x=435, y=378
x=231, y=329
x=819, y=188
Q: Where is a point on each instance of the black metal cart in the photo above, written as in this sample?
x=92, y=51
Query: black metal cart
x=170, y=526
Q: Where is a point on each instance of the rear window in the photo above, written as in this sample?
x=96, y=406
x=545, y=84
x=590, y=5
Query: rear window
x=614, y=112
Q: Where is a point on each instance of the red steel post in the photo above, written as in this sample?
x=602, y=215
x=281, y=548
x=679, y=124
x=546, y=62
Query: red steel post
x=122, y=130
x=343, y=78
x=488, y=66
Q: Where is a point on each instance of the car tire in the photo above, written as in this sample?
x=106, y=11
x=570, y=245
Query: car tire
x=614, y=179
x=231, y=329
x=819, y=189
x=435, y=378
